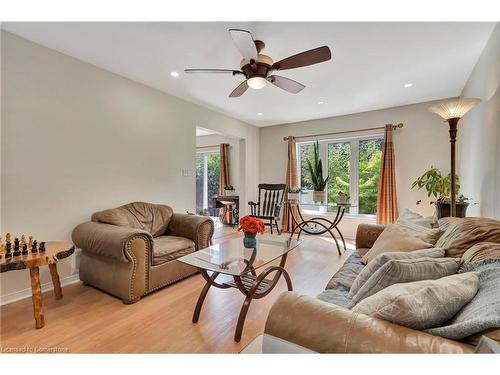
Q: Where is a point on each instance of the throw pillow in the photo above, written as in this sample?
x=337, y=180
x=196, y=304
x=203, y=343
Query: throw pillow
x=422, y=304
x=398, y=271
x=383, y=258
x=462, y=234
x=483, y=312
x=413, y=217
x=403, y=236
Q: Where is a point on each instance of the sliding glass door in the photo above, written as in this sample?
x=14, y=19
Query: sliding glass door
x=207, y=181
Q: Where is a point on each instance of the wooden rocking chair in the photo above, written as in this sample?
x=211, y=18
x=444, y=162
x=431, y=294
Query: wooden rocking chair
x=268, y=207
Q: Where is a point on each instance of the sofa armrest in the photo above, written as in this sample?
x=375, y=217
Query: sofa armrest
x=367, y=234
x=327, y=328
x=199, y=229
x=112, y=241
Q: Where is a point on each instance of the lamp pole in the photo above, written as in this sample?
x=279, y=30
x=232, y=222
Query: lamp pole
x=452, y=111
x=453, y=122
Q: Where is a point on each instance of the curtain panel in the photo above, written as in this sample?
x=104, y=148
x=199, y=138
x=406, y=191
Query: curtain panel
x=387, y=203
x=292, y=180
x=224, y=167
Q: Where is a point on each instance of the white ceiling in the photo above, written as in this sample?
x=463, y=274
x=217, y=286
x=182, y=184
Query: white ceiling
x=371, y=61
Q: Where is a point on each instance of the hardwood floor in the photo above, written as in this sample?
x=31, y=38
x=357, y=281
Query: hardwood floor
x=89, y=321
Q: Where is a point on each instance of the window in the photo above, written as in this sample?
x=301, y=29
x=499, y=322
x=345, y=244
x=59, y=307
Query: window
x=353, y=166
x=207, y=180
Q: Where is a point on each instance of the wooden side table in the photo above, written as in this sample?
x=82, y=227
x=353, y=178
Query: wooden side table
x=54, y=250
x=229, y=205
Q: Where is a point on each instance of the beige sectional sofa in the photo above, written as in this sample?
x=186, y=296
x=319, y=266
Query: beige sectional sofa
x=327, y=328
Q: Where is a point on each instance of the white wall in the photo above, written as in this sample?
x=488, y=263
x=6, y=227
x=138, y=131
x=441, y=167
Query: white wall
x=77, y=139
x=479, y=133
x=421, y=143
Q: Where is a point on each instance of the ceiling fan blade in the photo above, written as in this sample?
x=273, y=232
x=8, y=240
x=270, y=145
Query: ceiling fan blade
x=212, y=71
x=313, y=56
x=286, y=84
x=240, y=90
x=244, y=43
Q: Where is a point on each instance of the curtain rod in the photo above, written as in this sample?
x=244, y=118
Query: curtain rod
x=398, y=126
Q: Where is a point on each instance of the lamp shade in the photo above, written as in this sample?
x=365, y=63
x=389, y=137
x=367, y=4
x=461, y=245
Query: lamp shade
x=456, y=108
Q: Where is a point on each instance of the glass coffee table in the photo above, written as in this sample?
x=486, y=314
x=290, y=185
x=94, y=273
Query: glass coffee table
x=233, y=259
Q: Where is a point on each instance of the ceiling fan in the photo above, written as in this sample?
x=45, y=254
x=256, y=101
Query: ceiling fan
x=257, y=68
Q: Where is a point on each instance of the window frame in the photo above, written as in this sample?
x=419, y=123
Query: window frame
x=206, y=153
x=353, y=163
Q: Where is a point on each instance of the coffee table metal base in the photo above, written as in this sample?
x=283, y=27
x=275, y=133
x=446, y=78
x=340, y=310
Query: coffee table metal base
x=252, y=286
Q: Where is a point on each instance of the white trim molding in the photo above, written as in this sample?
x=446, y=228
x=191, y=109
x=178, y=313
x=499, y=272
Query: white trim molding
x=26, y=293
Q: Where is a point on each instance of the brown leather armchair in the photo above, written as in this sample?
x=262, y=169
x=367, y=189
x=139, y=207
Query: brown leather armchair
x=130, y=251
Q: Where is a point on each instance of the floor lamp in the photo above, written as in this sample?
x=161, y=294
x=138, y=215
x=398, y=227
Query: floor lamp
x=452, y=111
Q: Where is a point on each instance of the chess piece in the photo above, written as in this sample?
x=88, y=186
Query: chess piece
x=30, y=244
x=8, y=253
x=25, y=249
x=42, y=247
x=33, y=248
x=17, y=251
x=7, y=237
x=23, y=240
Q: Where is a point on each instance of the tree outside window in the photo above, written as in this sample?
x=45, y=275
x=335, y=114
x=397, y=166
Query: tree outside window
x=370, y=157
x=339, y=170
x=207, y=181
x=354, y=168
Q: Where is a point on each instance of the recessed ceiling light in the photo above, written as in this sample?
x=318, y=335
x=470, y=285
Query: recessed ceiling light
x=408, y=85
x=174, y=74
x=320, y=102
x=259, y=114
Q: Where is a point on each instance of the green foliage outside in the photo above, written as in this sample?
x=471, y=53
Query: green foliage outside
x=339, y=170
x=213, y=167
x=370, y=157
x=306, y=153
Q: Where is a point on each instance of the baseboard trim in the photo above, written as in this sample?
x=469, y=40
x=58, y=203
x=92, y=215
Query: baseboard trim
x=26, y=293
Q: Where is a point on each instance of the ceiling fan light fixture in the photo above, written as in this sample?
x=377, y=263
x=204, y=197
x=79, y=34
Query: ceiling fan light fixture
x=257, y=83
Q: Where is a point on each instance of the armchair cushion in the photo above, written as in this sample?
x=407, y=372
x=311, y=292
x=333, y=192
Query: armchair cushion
x=108, y=240
x=167, y=248
x=153, y=218
x=198, y=229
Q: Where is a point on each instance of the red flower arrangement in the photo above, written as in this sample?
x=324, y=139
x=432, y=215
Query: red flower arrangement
x=251, y=225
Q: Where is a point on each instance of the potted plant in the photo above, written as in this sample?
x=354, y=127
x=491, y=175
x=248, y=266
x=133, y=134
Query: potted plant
x=439, y=186
x=316, y=171
x=294, y=193
x=229, y=190
x=250, y=227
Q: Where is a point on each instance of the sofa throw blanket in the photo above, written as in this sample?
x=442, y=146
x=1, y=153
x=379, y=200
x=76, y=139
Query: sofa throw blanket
x=338, y=288
x=483, y=312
